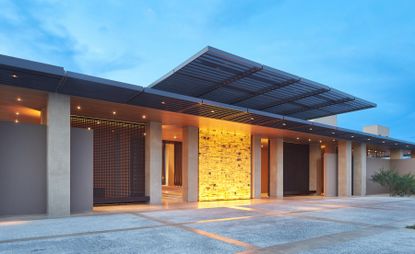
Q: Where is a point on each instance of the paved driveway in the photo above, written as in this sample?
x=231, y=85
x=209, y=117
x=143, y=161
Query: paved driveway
x=302, y=225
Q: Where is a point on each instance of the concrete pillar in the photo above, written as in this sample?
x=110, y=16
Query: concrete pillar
x=345, y=168
x=58, y=141
x=190, y=164
x=276, y=167
x=413, y=154
x=359, y=169
x=396, y=154
x=330, y=171
x=314, y=167
x=256, y=166
x=153, y=160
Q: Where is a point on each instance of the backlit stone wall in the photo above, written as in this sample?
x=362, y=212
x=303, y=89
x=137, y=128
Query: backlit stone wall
x=224, y=165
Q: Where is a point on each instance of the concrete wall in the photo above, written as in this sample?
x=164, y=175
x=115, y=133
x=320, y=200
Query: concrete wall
x=373, y=165
x=22, y=169
x=82, y=149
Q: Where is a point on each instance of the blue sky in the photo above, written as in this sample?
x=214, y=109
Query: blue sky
x=366, y=48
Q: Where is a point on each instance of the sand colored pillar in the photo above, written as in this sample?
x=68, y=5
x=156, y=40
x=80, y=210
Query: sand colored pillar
x=345, y=168
x=256, y=166
x=276, y=167
x=396, y=154
x=330, y=171
x=359, y=169
x=153, y=157
x=58, y=155
x=190, y=160
x=315, y=168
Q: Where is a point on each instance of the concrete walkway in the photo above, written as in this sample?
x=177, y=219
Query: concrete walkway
x=294, y=225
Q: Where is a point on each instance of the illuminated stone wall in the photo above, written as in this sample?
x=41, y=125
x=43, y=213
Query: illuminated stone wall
x=224, y=165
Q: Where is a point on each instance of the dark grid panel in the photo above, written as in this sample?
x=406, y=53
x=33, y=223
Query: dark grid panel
x=118, y=159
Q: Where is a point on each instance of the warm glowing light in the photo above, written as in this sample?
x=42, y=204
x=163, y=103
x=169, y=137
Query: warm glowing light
x=17, y=113
x=163, y=102
x=298, y=138
x=78, y=107
x=224, y=165
x=309, y=140
x=311, y=129
x=16, y=121
x=321, y=141
x=145, y=134
x=114, y=112
x=144, y=116
x=323, y=146
x=175, y=137
x=252, y=118
x=19, y=99
x=334, y=140
x=212, y=111
x=14, y=76
x=98, y=122
x=89, y=128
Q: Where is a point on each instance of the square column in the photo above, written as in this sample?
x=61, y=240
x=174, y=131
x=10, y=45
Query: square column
x=359, y=169
x=315, y=168
x=396, y=154
x=276, y=167
x=330, y=171
x=58, y=140
x=256, y=166
x=345, y=168
x=153, y=158
x=190, y=166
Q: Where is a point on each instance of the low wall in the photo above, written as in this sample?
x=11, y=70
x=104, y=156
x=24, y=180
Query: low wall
x=373, y=165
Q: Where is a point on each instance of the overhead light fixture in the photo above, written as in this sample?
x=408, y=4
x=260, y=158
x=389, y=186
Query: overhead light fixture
x=252, y=118
x=352, y=136
x=310, y=129
x=144, y=116
x=175, y=137
x=16, y=121
x=298, y=138
x=89, y=128
x=145, y=134
x=284, y=124
x=321, y=141
x=163, y=102
x=212, y=111
x=114, y=112
x=19, y=99
x=98, y=122
x=333, y=132
x=334, y=140
x=78, y=107
x=368, y=139
x=17, y=113
x=14, y=75
x=309, y=140
x=383, y=141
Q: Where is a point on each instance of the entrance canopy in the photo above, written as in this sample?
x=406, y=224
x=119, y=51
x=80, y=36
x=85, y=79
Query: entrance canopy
x=16, y=72
x=219, y=76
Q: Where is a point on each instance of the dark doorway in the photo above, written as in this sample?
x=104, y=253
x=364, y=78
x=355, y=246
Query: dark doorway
x=264, y=167
x=119, y=161
x=296, y=169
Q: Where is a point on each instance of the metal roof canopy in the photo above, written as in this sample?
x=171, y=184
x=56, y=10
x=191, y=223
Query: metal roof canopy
x=219, y=76
x=32, y=75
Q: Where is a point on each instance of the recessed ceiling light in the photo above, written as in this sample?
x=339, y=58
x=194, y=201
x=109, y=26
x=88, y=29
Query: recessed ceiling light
x=284, y=124
x=16, y=121
x=334, y=140
x=333, y=132
x=89, y=128
x=144, y=116
x=321, y=141
x=163, y=102
x=98, y=122
x=14, y=76
x=252, y=118
x=17, y=113
x=114, y=112
x=383, y=141
x=309, y=140
x=368, y=139
x=298, y=138
x=175, y=137
x=145, y=134
x=352, y=136
x=19, y=99
x=310, y=129
x=78, y=107
x=212, y=111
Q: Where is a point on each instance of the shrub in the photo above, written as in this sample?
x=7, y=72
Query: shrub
x=398, y=185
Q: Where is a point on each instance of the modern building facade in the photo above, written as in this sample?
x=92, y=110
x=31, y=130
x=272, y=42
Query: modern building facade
x=218, y=127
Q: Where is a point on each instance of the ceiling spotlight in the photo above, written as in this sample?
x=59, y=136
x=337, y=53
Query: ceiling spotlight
x=114, y=112
x=309, y=140
x=16, y=121
x=252, y=118
x=17, y=113
x=145, y=134
x=175, y=137
x=14, y=76
x=368, y=139
x=352, y=136
x=163, y=102
x=284, y=124
x=298, y=138
x=89, y=128
x=310, y=129
x=321, y=141
x=212, y=111
x=333, y=132
x=334, y=140
x=383, y=141
x=98, y=122
x=19, y=99
x=78, y=107
x=144, y=116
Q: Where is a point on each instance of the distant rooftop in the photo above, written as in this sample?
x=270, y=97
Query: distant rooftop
x=219, y=76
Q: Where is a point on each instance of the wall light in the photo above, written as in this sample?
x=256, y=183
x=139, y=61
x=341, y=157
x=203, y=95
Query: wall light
x=163, y=102
x=19, y=99
x=114, y=112
x=78, y=107
x=14, y=76
x=17, y=113
x=175, y=137
x=144, y=116
x=284, y=124
x=298, y=138
x=16, y=121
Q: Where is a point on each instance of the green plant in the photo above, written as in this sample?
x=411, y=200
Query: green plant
x=398, y=185
x=411, y=227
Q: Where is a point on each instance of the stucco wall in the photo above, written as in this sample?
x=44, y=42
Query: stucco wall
x=403, y=166
x=373, y=165
x=23, y=169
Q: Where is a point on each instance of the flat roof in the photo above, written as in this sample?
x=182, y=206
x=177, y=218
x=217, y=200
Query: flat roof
x=27, y=74
x=217, y=75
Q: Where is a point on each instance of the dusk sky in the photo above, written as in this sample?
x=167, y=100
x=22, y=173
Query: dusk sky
x=366, y=48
